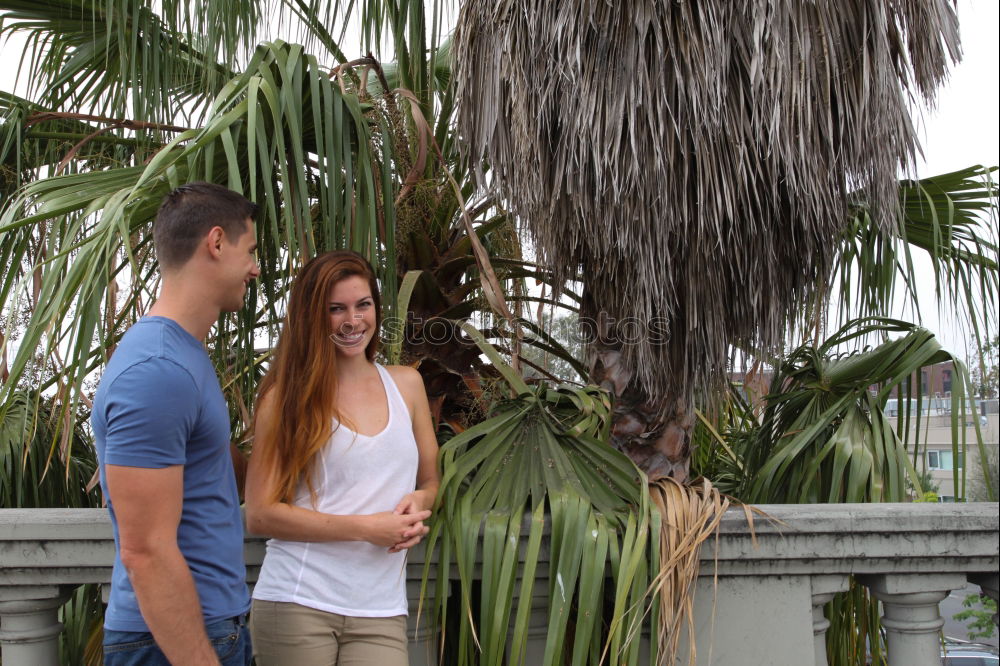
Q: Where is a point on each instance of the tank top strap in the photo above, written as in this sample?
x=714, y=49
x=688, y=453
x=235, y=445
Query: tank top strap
x=396, y=402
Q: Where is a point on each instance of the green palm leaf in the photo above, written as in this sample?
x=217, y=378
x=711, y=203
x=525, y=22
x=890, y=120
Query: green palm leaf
x=823, y=436
x=125, y=58
x=539, y=452
x=33, y=474
x=951, y=220
x=283, y=133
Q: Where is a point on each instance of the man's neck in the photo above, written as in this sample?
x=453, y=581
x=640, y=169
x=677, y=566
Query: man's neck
x=186, y=304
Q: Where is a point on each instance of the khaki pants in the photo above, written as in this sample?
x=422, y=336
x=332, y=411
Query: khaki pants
x=288, y=634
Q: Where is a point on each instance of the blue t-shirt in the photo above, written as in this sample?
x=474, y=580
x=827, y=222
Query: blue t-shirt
x=159, y=404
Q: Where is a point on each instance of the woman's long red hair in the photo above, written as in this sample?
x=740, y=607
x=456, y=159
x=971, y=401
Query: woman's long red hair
x=301, y=384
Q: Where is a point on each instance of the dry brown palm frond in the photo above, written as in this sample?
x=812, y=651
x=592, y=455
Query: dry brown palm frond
x=690, y=514
x=695, y=157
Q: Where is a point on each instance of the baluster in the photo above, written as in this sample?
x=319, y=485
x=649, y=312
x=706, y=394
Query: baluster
x=823, y=590
x=910, y=616
x=29, y=624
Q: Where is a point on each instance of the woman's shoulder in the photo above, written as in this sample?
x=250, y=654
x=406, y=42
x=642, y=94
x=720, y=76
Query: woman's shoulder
x=407, y=378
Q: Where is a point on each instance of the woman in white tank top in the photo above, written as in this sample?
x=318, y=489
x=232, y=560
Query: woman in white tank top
x=342, y=477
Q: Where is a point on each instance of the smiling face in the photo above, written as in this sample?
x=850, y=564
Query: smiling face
x=352, y=315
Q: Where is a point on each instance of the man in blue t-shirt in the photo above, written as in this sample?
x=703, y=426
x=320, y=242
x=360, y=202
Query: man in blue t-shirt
x=178, y=590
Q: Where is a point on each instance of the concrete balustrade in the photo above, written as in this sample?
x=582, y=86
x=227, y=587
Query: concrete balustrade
x=29, y=628
x=759, y=596
x=824, y=588
x=911, y=619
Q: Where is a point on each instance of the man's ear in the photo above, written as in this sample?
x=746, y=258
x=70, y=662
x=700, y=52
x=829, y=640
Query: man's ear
x=214, y=240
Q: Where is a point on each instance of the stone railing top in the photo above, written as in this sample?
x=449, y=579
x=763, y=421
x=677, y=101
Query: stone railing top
x=54, y=524
x=790, y=539
x=881, y=518
x=786, y=519
x=838, y=539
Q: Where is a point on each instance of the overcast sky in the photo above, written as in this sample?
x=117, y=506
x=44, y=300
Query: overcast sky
x=963, y=129
x=960, y=131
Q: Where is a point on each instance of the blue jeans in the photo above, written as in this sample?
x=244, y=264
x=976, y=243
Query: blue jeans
x=230, y=639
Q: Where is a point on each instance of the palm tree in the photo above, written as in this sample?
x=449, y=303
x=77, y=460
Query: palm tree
x=340, y=152
x=698, y=160
x=128, y=101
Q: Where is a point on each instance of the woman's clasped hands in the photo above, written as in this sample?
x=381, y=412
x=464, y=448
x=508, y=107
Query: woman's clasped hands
x=401, y=528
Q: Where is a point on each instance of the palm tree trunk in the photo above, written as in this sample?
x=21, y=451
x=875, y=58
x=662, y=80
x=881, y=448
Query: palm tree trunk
x=654, y=432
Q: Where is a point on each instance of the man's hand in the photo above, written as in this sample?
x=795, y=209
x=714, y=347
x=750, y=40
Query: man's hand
x=147, y=504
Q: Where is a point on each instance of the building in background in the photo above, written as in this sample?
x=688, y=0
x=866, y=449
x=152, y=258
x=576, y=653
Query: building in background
x=930, y=427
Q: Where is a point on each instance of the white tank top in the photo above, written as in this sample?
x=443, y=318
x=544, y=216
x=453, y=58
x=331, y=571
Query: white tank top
x=355, y=474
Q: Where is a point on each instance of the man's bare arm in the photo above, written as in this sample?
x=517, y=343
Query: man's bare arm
x=147, y=504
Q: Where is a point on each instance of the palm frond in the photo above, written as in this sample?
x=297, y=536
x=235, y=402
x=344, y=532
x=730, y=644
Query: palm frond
x=124, y=59
x=691, y=515
x=951, y=220
x=33, y=474
x=282, y=133
x=823, y=435
x=729, y=150
x=542, y=452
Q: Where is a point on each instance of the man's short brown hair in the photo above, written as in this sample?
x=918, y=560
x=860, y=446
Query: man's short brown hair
x=186, y=215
